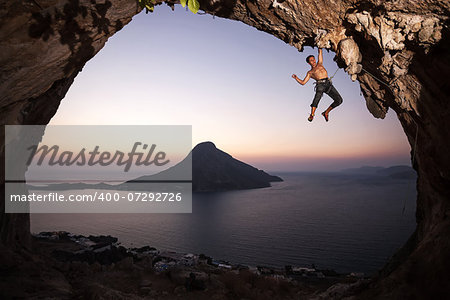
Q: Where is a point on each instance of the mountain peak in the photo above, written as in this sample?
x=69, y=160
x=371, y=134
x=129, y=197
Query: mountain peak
x=216, y=170
x=206, y=146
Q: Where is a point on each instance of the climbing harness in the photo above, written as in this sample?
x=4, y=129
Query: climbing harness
x=330, y=81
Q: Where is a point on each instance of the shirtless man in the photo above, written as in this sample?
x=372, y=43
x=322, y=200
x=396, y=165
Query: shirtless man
x=323, y=85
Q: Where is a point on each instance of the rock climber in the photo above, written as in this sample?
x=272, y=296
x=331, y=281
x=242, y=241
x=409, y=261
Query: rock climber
x=323, y=85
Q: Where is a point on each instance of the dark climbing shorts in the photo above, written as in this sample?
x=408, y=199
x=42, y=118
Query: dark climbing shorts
x=325, y=86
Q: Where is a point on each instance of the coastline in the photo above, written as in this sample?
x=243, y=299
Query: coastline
x=100, y=265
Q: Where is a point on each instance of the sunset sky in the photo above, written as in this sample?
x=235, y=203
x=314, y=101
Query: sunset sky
x=233, y=84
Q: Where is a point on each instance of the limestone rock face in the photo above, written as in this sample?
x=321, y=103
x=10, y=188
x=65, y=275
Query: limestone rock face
x=44, y=44
x=397, y=50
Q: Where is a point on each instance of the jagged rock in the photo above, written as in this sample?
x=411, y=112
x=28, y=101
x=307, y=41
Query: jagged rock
x=98, y=291
x=341, y=291
x=348, y=51
x=404, y=45
x=145, y=282
x=125, y=264
x=179, y=290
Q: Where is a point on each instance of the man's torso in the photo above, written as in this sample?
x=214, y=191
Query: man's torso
x=318, y=72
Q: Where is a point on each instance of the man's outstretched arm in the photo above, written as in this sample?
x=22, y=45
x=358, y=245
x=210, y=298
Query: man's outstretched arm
x=304, y=81
x=320, y=56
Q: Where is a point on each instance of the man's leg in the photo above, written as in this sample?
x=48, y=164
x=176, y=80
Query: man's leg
x=311, y=116
x=317, y=97
x=334, y=94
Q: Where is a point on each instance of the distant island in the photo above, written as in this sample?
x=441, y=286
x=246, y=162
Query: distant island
x=212, y=170
x=397, y=172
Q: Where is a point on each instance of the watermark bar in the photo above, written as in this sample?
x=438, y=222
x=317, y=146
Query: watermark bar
x=98, y=169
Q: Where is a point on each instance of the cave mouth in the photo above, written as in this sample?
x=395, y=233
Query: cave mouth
x=420, y=79
x=108, y=78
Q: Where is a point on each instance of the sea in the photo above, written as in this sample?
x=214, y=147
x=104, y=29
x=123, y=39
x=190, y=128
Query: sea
x=339, y=221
